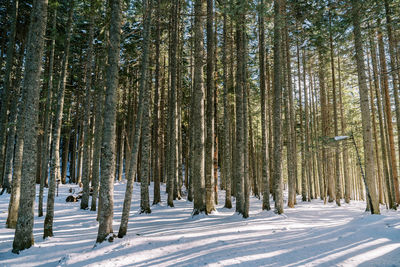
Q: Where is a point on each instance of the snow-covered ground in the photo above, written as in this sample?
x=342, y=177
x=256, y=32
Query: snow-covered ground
x=312, y=234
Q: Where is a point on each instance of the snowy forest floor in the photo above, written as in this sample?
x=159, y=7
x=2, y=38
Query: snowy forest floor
x=312, y=234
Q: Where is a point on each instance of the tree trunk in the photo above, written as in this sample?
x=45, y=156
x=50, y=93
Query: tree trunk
x=388, y=115
x=47, y=125
x=277, y=96
x=172, y=169
x=394, y=71
x=106, y=196
x=365, y=111
x=17, y=163
x=140, y=119
x=23, y=238
x=156, y=148
x=345, y=157
x=144, y=183
x=227, y=159
x=55, y=149
x=6, y=92
x=338, y=188
x=264, y=151
x=86, y=123
x=198, y=111
x=391, y=201
x=209, y=153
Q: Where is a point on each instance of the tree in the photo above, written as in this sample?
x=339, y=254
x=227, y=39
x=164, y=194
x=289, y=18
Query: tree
x=227, y=158
x=86, y=124
x=198, y=111
x=23, y=238
x=55, y=148
x=209, y=153
x=106, y=201
x=277, y=96
x=365, y=111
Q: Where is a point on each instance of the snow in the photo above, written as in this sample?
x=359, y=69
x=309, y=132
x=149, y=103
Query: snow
x=312, y=234
x=340, y=138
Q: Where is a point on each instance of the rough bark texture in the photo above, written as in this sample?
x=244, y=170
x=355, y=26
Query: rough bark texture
x=144, y=182
x=23, y=238
x=209, y=153
x=7, y=90
x=145, y=207
x=156, y=148
x=13, y=116
x=277, y=96
x=198, y=111
x=98, y=127
x=106, y=196
x=345, y=157
x=16, y=166
x=393, y=72
x=365, y=111
x=239, y=157
x=388, y=115
x=338, y=189
x=86, y=123
x=55, y=149
x=227, y=159
x=173, y=141
x=264, y=147
x=390, y=200
x=47, y=115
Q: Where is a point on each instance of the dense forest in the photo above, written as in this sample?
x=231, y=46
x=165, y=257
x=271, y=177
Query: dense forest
x=271, y=99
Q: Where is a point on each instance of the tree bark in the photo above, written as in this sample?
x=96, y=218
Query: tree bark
x=264, y=147
x=106, y=196
x=6, y=92
x=55, y=149
x=198, y=111
x=209, y=153
x=23, y=238
x=227, y=159
x=365, y=111
x=277, y=117
x=86, y=123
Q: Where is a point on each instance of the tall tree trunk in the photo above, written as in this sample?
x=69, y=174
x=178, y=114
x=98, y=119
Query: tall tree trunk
x=384, y=155
x=198, y=111
x=345, y=157
x=227, y=159
x=277, y=96
x=388, y=115
x=141, y=118
x=156, y=115
x=394, y=71
x=13, y=116
x=106, y=196
x=15, y=169
x=48, y=115
x=55, y=149
x=173, y=160
x=144, y=183
x=240, y=131
x=6, y=92
x=209, y=153
x=23, y=238
x=98, y=111
x=338, y=188
x=264, y=147
x=365, y=111
x=86, y=123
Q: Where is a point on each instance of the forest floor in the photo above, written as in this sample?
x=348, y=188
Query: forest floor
x=312, y=234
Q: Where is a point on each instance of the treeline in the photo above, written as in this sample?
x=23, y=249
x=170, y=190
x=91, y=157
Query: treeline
x=241, y=96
